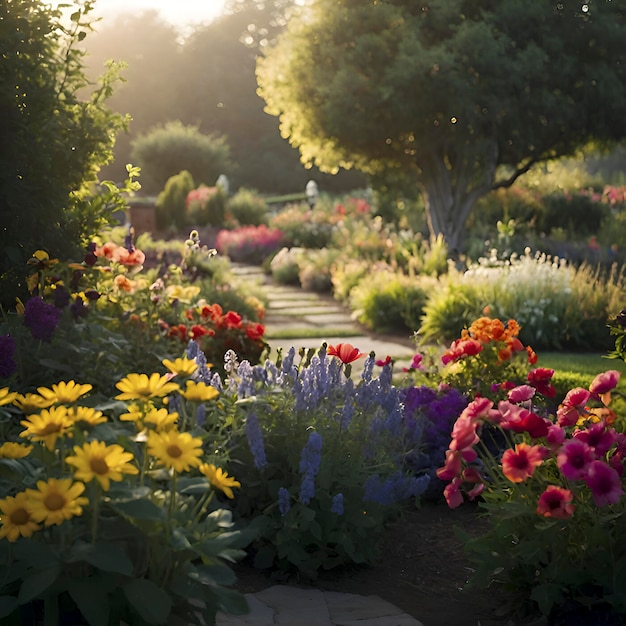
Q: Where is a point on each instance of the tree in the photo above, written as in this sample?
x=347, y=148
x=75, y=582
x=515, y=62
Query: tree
x=166, y=150
x=461, y=96
x=53, y=142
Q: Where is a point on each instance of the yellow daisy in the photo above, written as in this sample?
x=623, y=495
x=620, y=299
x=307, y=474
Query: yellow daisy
x=135, y=414
x=7, y=396
x=12, y=450
x=47, y=426
x=31, y=402
x=104, y=463
x=220, y=479
x=178, y=451
x=17, y=517
x=57, y=500
x=143, y=387
x=182, y=367
x=161, y=419
x=199, y=391
x=86, y=415
x=64, y=393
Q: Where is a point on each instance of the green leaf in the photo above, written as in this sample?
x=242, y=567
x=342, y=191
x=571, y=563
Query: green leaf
x=213, y=574
x=264, y=558
x=8, y=604
x=91, y=599
x=139, y=510
x=232, y=601
x=150, y=601
x=106, y=556
x=193, y=486
x=37, y=583
x=35, y=554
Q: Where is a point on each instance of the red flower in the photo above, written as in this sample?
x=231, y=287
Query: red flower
x=345, y=352
x=255, y=331
x=556, y=502
x=540, y=379
x=520, y=464
x=231, y=320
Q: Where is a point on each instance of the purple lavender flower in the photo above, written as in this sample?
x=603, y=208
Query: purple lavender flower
x=311, y=455
x=255, y=441
x=42, y=318
x=201, y=415
x=7, y=352
x=337, y=505
x=284, y=501
x=310, y=462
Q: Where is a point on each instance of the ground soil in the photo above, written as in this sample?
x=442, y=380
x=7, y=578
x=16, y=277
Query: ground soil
x=423, y=570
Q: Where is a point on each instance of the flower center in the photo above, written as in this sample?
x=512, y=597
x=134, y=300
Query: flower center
x=174, y=451
x=50, y=428
x=54, y=501
x=19, y=517
x=99, y=466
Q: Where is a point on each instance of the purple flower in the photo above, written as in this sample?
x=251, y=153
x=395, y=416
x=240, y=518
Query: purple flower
x=255, y=441
x=7, y=352
x=284, y=501
x=310, y=462
x=337, y=505
x=41, y=318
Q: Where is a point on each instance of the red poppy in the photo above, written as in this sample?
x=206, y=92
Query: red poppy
x=345, y=352
x=255, y=331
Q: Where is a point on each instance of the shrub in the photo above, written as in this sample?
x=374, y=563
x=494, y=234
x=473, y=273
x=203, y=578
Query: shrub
x=250, y=244
x=315, y=269
x=580, y=214
x=247, y=208
x=173, y=147
x=304, y=227
x=206, y=206
x=388, y=301
x=346, y=275
x=171, y=203
x=285, y=266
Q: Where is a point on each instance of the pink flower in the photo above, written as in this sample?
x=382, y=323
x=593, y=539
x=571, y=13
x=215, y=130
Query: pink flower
x=520, y=464
x=598, y=437
x=475, y=491
x=478, y=408
x=416, y=362
x=556, y=435
x=572, y=407
x=382, y=363
x=523, y=393
x=577, y=397
x=574, y=459
x=463, y=433
x=604, y=482
x=556, y=502
x=604, y=382
x=452, y=493
x=521, y=420
x=452, y=466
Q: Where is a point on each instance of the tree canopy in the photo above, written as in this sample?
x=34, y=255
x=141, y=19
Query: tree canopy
x=53, y=141
x=461, y=96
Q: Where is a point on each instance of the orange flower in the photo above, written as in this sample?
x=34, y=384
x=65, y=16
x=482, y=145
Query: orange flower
x=122, y=283
x=345, y=352
x=520, y=464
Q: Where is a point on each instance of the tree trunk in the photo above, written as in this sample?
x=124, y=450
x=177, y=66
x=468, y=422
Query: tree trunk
x=450, y=189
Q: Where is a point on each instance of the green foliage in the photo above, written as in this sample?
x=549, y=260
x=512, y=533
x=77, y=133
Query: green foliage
x=54, y=140
x=247, y=207
x=304, y=227
x=439, y=98
x=386, y=301
x=173, y=147
x=206, y=206
x=580, y=214
x=315, y=268
x=285, y=266
x=556, y=304
x=171, y=203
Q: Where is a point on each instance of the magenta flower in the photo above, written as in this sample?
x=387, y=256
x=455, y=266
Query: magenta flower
x=452, y=466
x=574, y=459
x=523, y=393
x=556, y=502
x=598, y=437
x=463, y=433
x=478, y=408
x=452, y=493
x=604, y=482
x=604, y=382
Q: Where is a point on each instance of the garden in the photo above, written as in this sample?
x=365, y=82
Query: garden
x=144, y=476
x=143, y=461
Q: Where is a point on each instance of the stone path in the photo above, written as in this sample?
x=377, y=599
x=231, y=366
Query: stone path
x=305, y=319
x=302, y=319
